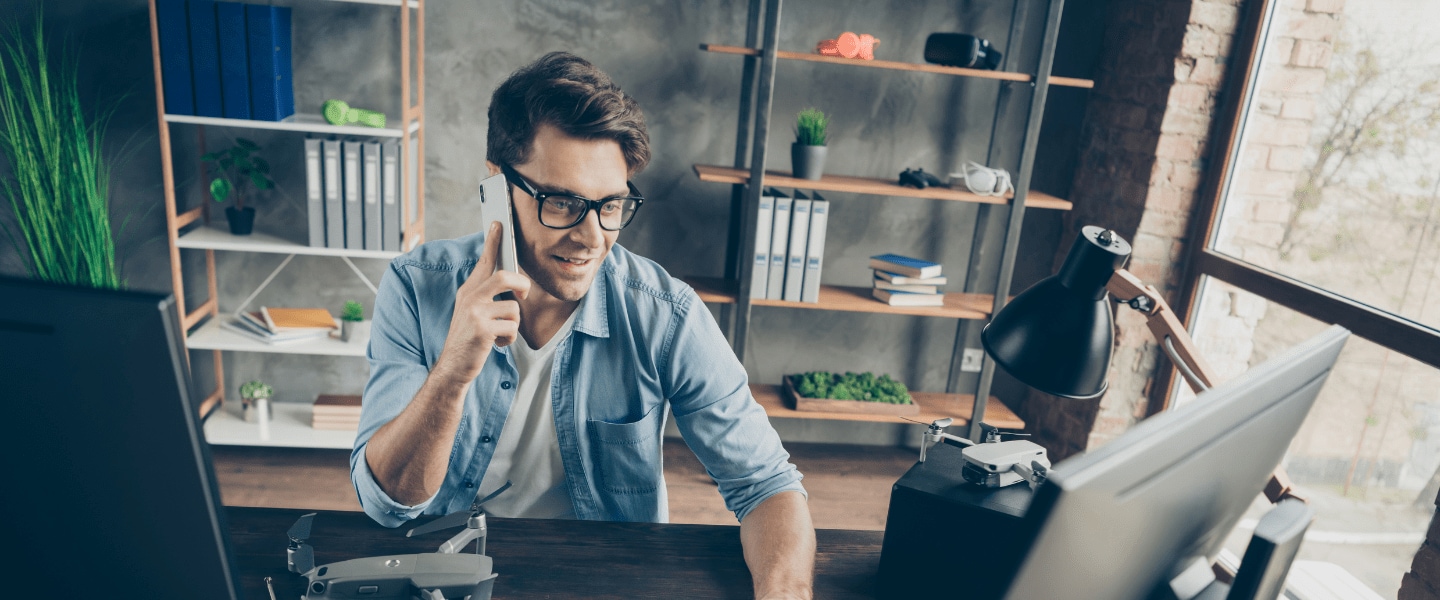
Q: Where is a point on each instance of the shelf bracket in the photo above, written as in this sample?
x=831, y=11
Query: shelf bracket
x=363, y=278
x=267, y=281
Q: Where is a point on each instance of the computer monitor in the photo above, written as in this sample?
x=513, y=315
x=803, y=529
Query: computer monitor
x=1123, y=521
x=109, y=488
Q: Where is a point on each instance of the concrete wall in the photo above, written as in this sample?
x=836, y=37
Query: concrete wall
x=883, y=121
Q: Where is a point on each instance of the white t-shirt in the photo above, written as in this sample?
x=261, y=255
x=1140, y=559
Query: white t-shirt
x=528, y=451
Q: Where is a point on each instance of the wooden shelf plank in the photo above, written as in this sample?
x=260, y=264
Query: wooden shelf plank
x=290, y=428
x=933, y=405
x=211, y=336
x=214, y=238
x=300, y=122
x=409, y=3
x=870, y=185
x=851, y=299
x=898, y=66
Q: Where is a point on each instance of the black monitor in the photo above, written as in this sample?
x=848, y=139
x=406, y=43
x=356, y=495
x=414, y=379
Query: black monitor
x=1126, y=520
x=109, y=489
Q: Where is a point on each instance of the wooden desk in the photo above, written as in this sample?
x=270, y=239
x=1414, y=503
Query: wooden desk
x=558, y=559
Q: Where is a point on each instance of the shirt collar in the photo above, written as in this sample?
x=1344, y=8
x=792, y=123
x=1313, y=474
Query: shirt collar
x=594, y=319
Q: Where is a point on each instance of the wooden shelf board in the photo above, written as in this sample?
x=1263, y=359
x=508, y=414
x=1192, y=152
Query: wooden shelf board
x=933, y=405
x=215, y=238
x=290, y=428
x=898, y=66
x=869, y=185
x=851, y=299
x=211, y=336
x=409, y=3
x=300, y=122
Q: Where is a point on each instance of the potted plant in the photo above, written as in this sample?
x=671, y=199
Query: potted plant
x=807, y=154
x=255, y=401
x=239, y=169
x=353, y=325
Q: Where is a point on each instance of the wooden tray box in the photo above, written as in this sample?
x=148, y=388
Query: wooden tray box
x=804, y=404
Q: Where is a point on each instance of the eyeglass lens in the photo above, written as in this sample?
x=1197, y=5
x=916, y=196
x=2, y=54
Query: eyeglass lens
x=564, y=211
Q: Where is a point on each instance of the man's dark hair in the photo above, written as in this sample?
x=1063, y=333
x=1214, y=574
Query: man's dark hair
x=566, y=92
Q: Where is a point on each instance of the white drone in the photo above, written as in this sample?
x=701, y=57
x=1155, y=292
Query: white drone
x=993, y=463
x=445, y=573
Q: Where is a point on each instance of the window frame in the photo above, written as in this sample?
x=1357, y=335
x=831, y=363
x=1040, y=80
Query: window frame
x=1403, y=335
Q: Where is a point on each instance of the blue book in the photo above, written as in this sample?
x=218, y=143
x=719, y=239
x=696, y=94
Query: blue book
x=174, y=31
x=234, y=60
x=205, y=58
x=904, y=265
x=272, y=91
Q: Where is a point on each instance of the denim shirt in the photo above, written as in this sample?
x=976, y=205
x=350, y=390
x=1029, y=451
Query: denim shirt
x=641, y=339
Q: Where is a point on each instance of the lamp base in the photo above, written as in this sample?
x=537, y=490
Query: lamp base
x=944, y=535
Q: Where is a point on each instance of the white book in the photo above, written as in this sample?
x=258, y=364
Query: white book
x=907, y=299
x=815, y=249
x=795, y=257
x=390, y=225
x=314, y=193
x=899, y=279
x=370, y=189
x=334, y=205
x=350, y=190
x=881, y=284
x=764, y=223
x=235, y=326
x=779, y=244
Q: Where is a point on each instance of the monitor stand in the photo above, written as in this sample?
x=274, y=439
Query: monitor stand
x=1262, y=571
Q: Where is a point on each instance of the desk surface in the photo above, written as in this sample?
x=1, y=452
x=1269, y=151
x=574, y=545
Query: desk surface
x=559, y=559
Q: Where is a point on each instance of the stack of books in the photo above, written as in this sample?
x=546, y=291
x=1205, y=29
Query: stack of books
x=336, y=412
x=283, y=325
x=905, y=281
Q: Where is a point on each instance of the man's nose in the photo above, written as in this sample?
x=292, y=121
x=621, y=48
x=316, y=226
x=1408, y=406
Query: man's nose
x=588, y=232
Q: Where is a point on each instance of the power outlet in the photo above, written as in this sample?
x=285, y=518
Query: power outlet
x=971, y=360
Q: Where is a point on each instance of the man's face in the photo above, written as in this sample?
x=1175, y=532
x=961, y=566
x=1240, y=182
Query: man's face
x=563, y=262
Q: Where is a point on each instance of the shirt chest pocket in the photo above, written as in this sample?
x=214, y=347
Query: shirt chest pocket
x=627, y=455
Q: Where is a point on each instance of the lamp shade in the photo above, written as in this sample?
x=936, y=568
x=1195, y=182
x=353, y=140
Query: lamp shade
x=1057, y=335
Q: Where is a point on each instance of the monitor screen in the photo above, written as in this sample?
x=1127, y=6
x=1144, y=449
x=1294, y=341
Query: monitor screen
x=1124, y=520
x=109, y=486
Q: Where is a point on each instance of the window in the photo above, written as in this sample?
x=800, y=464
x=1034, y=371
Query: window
x=1326, y=209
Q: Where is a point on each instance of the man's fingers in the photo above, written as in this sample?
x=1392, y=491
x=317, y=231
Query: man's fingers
x=505, y=332
x=489, y=256
x=505, y=310
x=505, y=281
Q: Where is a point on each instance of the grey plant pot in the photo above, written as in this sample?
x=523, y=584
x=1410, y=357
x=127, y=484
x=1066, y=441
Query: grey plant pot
x=808, y=162
x=252, y=409
x=355, y=331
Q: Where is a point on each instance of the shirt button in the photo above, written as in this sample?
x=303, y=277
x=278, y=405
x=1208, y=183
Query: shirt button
x=469, y=484
x=485, y=439
x=505, y=385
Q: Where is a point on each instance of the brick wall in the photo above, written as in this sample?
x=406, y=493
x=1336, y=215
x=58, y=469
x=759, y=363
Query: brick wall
x=1147, y=130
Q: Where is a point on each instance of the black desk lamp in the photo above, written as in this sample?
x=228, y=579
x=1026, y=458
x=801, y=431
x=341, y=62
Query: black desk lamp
x=1057, y=335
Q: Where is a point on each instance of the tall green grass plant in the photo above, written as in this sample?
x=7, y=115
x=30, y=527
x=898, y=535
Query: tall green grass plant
x=810, y=127
x=59, y=184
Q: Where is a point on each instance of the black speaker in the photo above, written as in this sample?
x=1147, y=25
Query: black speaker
x=945, y=537
x=961, y=50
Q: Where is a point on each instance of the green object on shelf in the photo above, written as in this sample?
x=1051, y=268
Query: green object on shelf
x=337, y=112
x=810, y=127
x=255, y=390
x=864, y=387
x=353, y=311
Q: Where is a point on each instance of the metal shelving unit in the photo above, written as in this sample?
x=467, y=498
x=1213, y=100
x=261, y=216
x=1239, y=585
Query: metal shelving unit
x=749, y=176
x=191, y=229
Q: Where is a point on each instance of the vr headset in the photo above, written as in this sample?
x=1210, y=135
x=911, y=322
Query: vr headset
x=961, y=50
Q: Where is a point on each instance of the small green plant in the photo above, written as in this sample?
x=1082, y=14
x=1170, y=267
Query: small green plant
x=865, y=387
x=353, y=312
x=239, y=168
x=256, y=390
x=810, y=127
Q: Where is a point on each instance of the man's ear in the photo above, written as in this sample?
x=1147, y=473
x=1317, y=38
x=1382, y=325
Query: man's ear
x=493, y=168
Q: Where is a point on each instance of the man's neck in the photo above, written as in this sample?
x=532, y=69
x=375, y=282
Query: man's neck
x=541, y=316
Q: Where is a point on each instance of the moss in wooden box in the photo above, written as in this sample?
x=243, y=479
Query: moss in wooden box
x=863, y=387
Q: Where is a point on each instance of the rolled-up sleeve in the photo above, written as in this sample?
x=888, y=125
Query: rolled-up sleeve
x=397, y=371
x=722, y=423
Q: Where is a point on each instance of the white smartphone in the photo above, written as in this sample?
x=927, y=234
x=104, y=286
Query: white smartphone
x=495, y=206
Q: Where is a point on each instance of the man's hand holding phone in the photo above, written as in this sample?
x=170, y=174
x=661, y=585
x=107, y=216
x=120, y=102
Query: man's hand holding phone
x=480, y=322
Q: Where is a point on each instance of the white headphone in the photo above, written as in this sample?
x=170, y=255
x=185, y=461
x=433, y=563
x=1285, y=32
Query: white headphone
x=983, y=180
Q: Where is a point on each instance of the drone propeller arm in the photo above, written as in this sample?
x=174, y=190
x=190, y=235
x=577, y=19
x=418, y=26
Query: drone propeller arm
x=474, y=529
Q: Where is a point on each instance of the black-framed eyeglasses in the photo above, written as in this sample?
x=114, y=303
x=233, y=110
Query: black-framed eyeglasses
x=563, y=211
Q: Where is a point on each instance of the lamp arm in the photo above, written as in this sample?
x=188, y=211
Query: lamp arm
x=1177, y=344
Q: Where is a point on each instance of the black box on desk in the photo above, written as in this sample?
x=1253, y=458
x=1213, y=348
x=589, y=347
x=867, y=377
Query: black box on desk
x=945, y=537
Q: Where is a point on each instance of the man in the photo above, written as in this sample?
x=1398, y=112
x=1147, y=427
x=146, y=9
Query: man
x=562, y=390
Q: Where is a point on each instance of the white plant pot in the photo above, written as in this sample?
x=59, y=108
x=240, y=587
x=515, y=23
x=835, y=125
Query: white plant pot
x=256, y=410
x=355, y=331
